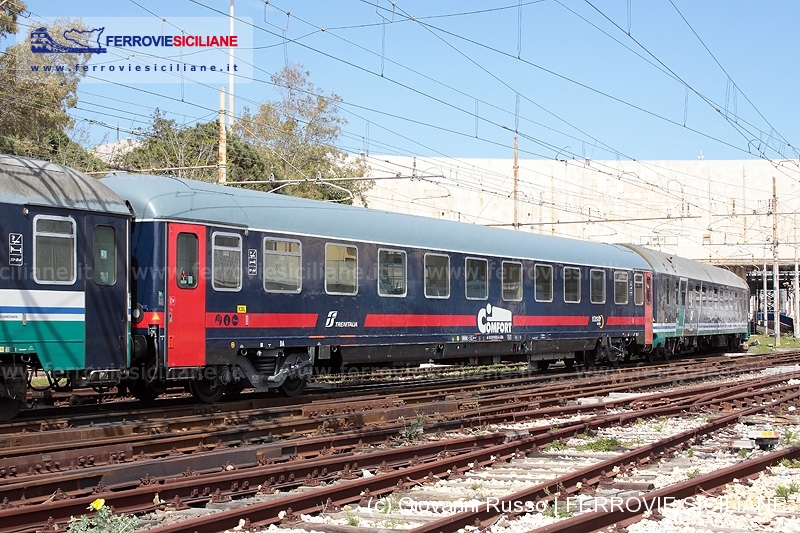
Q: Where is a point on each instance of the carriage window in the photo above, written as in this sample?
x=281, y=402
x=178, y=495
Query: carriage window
x=437, y=276
x=187, y=258
x=391, y=273
x=638, y=289
x=54, y=250
x=282, y=266
x=105, y=255
x=543, y=275
x=682, y=293
x=597, y=286
x=620, y=288
x=476, y=284
x=341, y=269
x=697, y=295
x=512, y=281
x=704, y=300
x=572, y=285
x=226, y=262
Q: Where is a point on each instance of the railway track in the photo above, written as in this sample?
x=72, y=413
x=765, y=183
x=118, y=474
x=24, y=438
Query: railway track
x=226, y=458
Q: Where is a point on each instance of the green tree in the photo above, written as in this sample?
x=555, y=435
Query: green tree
x=169, y=145
x=297, y=137
x=9, y=12
x=35, y=102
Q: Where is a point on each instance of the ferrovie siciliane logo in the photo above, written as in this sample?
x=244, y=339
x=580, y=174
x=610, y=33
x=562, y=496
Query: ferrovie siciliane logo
x=137, y=50
x=77, y=41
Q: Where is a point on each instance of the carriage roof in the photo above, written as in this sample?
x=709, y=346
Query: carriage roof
x=170, y=198
x=26, y=181
x=671, y=264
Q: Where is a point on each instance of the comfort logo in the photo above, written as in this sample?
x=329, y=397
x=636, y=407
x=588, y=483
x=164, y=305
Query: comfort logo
x=494, y=320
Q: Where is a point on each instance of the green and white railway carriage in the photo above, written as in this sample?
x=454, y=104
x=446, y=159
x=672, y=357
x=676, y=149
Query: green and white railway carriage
x=64, y=295
x=695, y=305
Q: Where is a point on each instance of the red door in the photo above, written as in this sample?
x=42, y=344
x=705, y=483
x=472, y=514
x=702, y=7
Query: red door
x=186, y=295
x=648, y=308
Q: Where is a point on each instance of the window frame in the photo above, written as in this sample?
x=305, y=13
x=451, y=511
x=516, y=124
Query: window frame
x=405, y=273
x=114, y=254
x=592, y=271
x=298, y=254
x=466, y=274
x=425, y=274
x=73, y=236
x=214, y=248
x=638, y=295
x=627, y=280
x=552, y=283
x=520, y=291
x=355, y=293
x=683, y=296
x=196, y=257
x=564, y=284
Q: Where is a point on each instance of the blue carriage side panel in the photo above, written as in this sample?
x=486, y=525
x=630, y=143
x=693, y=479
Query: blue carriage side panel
x=64, y=243
x=250, y=315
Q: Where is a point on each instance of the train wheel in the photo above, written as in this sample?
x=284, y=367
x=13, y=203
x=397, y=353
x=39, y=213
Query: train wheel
x=605, y=355
x=12, y=392
x=207, y=390
x=590, y=359
x=293, y=387
x=146, y=392
x=669, y=350
x=234, y=389
x=9, y=408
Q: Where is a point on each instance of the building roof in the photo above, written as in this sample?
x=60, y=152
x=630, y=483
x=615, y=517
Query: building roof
x=169, y=198
x=26, y=181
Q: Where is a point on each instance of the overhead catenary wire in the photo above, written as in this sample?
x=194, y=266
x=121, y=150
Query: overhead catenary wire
x=542, y=154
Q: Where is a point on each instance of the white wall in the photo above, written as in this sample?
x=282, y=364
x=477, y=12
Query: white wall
x=714, y=211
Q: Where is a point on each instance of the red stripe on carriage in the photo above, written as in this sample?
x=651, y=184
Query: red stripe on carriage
x=550, y=320
x=419, y=321
x=625, y=321
x=261, y=320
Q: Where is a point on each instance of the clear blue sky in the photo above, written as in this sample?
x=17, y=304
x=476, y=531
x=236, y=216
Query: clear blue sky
x=568, y=77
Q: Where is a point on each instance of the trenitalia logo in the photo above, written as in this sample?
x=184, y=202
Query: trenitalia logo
x=80, y=41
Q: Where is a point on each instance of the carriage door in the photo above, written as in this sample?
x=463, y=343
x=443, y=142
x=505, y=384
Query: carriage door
x=648, y=308
x=106, y=287
x=186, y=295
x=681, y=301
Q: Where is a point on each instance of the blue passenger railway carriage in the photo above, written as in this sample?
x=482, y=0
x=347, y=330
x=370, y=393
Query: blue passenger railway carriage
x=142, y=281
x=63, y=279
x=237, y=288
